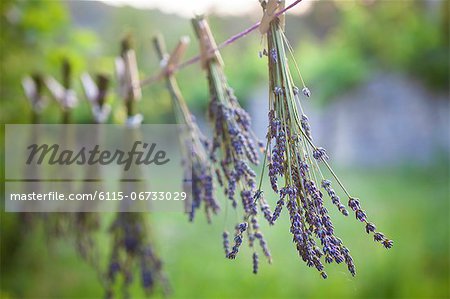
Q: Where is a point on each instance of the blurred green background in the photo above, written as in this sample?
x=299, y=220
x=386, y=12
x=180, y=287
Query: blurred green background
x=344, y=48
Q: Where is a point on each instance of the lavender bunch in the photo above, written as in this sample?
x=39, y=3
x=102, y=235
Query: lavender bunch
x=132, y=248
x=132, y=245
x=294, y=168
x=202, y=179
x=198, y=173
x=234, y=145
x=86, y=227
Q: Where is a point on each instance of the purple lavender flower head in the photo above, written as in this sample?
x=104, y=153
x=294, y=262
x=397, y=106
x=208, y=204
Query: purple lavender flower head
x=320, y=154
x=226, y=242
x=255, y=263
x=131, y=250
x=326, y=184
x=370, y=227
x=361, y=215
x=305, y=126
x=388, y=243
x=274, y=55
x=306, y=91
x=114, y=268
x=242, y=227
x=278, y=90
x=147, y=278
x=343, y=210
x=353, y=203
x=378, y=237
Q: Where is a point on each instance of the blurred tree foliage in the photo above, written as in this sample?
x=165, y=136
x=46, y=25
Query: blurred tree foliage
x=35, y=37
x=410, y=37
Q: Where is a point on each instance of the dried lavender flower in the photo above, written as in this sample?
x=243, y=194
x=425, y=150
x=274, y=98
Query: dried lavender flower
x=263, y=245
x=353, y=203
x=198, y=170
x=234, y=144
x=277, y=212
x=132, y=248
x=294, y=169
x=232, y=137
x=320, y=154
x=306, y=91
x=370, y=227
x=326, y=184
x=274, y=55
x=265, y=209
x=226, y=243
x=85, y=227
x=305, y=126
x=388, y=243
x=255, y=263
x=378, y=236
x=361, y=215
x=240, y=228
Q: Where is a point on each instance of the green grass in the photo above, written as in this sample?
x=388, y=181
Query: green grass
x=409, y=205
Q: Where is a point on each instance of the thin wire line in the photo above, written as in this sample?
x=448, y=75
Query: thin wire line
x=232, y=39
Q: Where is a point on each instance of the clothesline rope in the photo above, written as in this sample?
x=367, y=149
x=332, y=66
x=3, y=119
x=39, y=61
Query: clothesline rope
x=232, y=39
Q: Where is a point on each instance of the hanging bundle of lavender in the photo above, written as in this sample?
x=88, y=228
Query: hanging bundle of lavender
x=33, y=86
x=86, y=224
x=234, y=145
x=80, y=225
x=131, y=250
x=60, y=224
x=198, y=173
x=132, y=245
x=295, y=164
